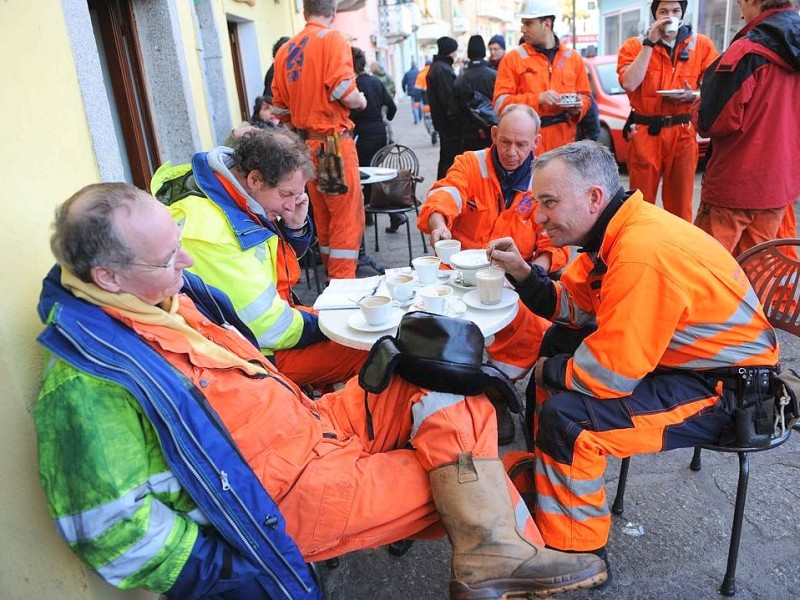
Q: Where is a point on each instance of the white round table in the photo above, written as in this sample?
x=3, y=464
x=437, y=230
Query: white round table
x=377, y=174
x=333, y=323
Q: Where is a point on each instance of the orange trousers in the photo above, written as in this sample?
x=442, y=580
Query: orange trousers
x=360, y=493
x=671, y=155
x=321, y=364
x=741, y=229
x=516, y=346
x=339, y=219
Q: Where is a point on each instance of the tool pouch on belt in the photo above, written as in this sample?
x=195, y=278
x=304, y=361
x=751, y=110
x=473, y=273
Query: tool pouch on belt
x=755, y=396
x=330, y=172
x=626, y=129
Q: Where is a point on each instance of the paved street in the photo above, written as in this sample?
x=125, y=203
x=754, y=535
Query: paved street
x=685, y=516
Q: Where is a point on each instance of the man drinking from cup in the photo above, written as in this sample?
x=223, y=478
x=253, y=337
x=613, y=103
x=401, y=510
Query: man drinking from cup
x=485, y=195
x=663, y=141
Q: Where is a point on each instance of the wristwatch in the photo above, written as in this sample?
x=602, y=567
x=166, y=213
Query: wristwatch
x=647, y=42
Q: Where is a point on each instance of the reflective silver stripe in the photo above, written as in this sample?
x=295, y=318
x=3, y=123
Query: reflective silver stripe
x=609, y=378
x=499, y=102
x=521, y=514
x=428, y=405
x=274, y=332
x=198, y=516
x=522, y=52
x=481, y=156
x=260, y=252
x=742, y=316
x=583, y=512
x=259, y=306
x=280, y=111
x=324, y=249
x=732, y=355
x=450, y=191
x=340, y=89
x=159, y=528
x=342, y=253
x=579, y=487
x=91, y=524
x=570, y=313
x=512, y=371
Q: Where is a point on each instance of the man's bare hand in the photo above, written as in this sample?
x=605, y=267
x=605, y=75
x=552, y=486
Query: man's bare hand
x=549, y=97
x=295, y=219
x=503, y=253
x=440, y=233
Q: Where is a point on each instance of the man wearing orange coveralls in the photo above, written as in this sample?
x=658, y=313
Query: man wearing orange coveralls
x=663, y=141
x=649, y=376
x=314, y=90
x=332, y=466
x=538, y=71
x=485, y=195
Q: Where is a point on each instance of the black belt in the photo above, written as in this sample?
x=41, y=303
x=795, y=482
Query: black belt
x=305, y=134
x=744, y=380
x=554, y=120
x=655, y=123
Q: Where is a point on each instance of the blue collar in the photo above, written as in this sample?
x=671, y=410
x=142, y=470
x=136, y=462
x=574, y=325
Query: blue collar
x=515, y=181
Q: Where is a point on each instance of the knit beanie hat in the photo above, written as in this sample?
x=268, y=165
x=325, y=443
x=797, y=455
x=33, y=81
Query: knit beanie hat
x=499, y=40
x=446, y=45
x=476, y=49
x=655, y=3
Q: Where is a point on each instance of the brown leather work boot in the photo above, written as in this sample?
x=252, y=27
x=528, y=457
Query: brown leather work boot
x=491, y=557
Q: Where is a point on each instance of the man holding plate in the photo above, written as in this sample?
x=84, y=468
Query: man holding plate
x=660, y=72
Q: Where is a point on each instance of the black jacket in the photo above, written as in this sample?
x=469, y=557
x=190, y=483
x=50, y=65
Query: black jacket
x=476, y=76
x=370, y=120
x=441, y=91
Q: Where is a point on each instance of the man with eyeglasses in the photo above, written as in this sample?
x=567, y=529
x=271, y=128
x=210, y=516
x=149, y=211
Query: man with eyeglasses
x=245, y=227
x=177, y=459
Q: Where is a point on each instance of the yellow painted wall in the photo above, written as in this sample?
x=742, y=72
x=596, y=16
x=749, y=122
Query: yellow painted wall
x=46, y=155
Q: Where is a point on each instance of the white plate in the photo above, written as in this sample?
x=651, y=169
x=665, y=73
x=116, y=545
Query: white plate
x=569, y=104
x=677, y=92
x=383, y=171
x=357, y=322
x=508, y=298
x=456, y=308
x=469, y=259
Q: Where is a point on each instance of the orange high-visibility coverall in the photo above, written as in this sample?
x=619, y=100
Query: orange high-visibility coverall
x=672, y=154
x=524, y=73
x=632, y=385
x=422, y=78
x=336, y=488
x=471, y=201
x=313, y=71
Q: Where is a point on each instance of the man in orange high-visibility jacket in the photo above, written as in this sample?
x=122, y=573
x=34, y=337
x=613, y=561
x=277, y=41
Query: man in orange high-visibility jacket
x=486, y=195
x=678, y=331
x=537, y=72
x=663, y=141
x=314, y=89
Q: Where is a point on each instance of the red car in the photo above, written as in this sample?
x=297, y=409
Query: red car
x=614, y=107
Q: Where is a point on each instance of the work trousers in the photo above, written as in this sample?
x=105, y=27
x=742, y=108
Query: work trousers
x=339, y=219
x=363, y=493
x=739, y=229
x=449, y=148
x=674, y=409
x=320, y=364
x=671, y=155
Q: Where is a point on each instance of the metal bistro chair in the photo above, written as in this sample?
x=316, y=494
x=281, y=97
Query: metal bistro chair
x=397, y=156
x=775, y=277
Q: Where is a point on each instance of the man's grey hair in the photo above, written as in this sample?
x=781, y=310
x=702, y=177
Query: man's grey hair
x=85, y=237
x=524, y=108
x=590, y=162
x=319, y=8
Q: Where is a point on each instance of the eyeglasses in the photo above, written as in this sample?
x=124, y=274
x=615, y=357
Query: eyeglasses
x=170, y=264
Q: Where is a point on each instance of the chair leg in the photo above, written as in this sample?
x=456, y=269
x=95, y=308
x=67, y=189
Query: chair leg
x=332, y=563
x=695, y=465
x=421, y=235
x=400, y=548
x=619, y=498
x=376, y=232
x=408, y=237
x=729, y=582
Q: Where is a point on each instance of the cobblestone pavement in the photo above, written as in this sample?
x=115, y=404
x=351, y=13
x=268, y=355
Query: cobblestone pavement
x=685, y=515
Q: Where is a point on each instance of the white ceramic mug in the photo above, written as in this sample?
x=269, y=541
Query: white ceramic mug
x=400, y=286
x=376, y=309
x=436, y=298
x=490, y=284
x=427, y=268
x=673, y=25
x=446, y=248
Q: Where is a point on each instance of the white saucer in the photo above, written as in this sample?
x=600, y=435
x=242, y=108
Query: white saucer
x=407, y=303
x=456, y=308
x=357, y=322
x=676, y=92
x=508, y=298
x=458, y=281
x=569, y=104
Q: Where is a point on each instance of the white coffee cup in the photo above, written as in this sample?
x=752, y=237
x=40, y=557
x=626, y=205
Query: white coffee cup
x=376, y=309
x=446, y=248
x=400, y=286
x=673, y=25
x=490, y=284
x=436, y=298
x=427, y=268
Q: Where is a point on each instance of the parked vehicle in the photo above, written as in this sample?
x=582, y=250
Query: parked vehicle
x=614, y=107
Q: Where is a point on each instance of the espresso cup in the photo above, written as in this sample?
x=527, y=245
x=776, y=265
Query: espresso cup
x=376, y=309
x=569, y=98
x=490, y=284
x=427, y=268
x=446, y=248
x=673, y=25
x=436, y=298
x=400, y=286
